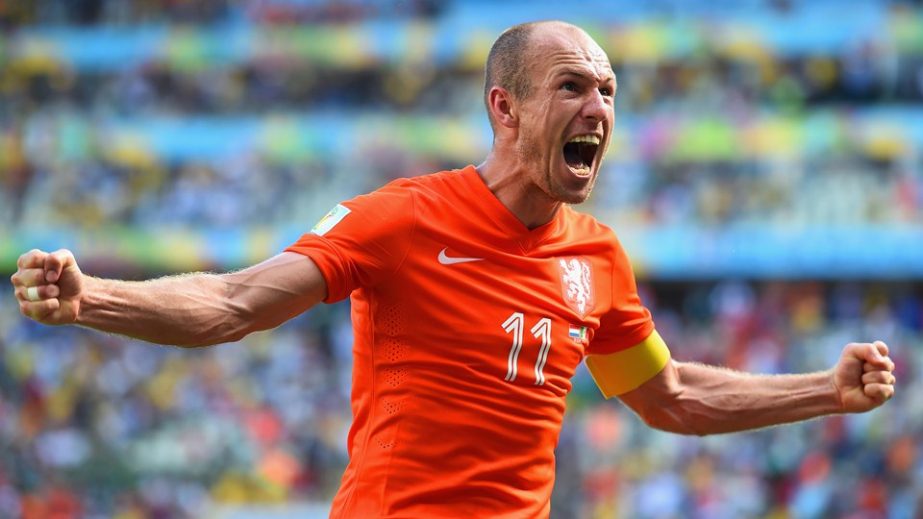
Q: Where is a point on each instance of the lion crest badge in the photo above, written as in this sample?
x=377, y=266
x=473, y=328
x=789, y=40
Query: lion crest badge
x=577, y=284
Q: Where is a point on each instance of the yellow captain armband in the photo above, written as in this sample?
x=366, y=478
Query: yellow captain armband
x=620, y=372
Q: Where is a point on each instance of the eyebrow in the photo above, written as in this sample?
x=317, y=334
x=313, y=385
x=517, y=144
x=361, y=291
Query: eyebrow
x=583, y=75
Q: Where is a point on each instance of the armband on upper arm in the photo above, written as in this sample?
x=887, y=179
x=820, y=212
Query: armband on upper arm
x=620, y=372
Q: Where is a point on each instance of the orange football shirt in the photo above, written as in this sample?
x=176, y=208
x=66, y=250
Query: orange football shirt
x=468, y=329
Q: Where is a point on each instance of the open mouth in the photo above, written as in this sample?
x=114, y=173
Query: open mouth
x=580, y=152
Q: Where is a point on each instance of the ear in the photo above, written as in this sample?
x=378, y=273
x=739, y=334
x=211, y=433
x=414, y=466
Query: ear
x=502, y=107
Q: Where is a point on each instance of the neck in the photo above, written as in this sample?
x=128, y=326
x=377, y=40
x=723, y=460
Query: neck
x=511, y=182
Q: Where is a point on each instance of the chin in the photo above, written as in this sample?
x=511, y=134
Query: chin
x=575, y=194
x=575, y=198
x=569, y=196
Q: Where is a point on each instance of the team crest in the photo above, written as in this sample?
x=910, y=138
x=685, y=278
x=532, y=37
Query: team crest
x=577, y=284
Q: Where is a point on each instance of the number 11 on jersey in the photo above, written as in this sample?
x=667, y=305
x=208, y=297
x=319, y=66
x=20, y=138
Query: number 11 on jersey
x=542, y=330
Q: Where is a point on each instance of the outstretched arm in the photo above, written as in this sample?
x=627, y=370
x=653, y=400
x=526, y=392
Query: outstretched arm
x=187, y=310
x=693, y=398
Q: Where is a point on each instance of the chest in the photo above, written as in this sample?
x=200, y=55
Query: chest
x=524, y=318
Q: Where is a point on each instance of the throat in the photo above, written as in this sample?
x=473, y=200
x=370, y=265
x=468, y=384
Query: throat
x=534, y=217
x=514, y=188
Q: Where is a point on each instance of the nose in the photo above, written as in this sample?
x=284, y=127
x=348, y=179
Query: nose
x=596, y=108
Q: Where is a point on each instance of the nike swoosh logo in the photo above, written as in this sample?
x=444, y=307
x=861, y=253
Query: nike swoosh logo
x=446, y=260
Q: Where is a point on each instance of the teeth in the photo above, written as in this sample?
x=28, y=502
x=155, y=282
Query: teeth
x=590, y=139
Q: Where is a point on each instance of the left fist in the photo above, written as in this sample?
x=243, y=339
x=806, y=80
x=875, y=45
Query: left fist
x=864, y=376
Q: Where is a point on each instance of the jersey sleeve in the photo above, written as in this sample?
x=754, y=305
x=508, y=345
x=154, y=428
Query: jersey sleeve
x=627, y=322
x=361, y=241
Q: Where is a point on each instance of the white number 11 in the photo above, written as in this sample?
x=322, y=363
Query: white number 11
x=542, y=330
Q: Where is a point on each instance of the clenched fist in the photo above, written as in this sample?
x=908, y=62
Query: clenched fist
x=48, y=286
x=864, y=376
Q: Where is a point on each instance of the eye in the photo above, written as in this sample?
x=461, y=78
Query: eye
x=606, y=91
x=570, y=86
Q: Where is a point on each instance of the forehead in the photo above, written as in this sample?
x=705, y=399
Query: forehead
x=564, y=49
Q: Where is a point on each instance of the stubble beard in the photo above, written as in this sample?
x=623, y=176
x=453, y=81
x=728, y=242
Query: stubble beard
x=551, y=185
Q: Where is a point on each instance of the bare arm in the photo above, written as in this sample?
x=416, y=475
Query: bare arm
x=188, y=310
x=692, y=398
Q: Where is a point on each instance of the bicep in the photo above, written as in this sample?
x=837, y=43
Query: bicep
x=275, y=290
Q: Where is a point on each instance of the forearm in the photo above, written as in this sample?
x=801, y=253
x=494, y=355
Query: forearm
x=185, y=310
x=710, y=400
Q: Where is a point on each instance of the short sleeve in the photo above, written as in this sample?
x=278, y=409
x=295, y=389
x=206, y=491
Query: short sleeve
x=361, y=241
x=627, y=322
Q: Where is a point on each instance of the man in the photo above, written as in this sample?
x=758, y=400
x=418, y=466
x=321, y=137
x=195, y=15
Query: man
x=475, y=295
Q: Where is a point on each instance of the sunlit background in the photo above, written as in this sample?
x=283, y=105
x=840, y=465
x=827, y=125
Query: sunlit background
x=766, y=177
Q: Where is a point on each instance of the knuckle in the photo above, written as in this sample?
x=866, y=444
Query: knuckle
x=25, y=260
x=64, y=254
x=43, y=309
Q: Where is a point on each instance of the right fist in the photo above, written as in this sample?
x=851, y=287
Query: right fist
x=48, y=286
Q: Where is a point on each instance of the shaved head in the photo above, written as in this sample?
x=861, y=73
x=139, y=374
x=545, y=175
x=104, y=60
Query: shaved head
x=511, y=56
x=507, y=59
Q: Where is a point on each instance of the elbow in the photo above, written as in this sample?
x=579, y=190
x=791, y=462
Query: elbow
x=231, y=324
x=673, y=419
x=236, y=319
x=671, y=407
x=667, y=414
x=230, y=330
x=205, y=339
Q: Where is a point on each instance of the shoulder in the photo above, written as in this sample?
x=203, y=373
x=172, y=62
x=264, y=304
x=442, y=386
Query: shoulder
x=585, y=221
x=585, y=227
x=402, y=189
x=434, y=191
x=595, y=236
x=400, y=199
x=448, y=181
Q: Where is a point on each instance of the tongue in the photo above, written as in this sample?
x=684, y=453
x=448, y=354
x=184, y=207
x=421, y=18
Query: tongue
x=572, y=155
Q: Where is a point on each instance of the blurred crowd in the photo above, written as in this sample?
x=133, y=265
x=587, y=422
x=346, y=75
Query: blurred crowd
x=98, y=426
x=715, y=133
x=206, y=12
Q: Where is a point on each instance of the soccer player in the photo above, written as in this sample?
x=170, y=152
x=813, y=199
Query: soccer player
x=475, y=295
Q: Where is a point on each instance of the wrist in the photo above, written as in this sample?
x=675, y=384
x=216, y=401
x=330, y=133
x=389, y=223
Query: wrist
x=834, y=394
x=83, y=304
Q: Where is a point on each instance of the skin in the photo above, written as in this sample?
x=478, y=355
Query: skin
x=573, y=85
x=573, y=89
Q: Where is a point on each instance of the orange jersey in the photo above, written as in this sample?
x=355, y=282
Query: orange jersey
x=468, y=329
